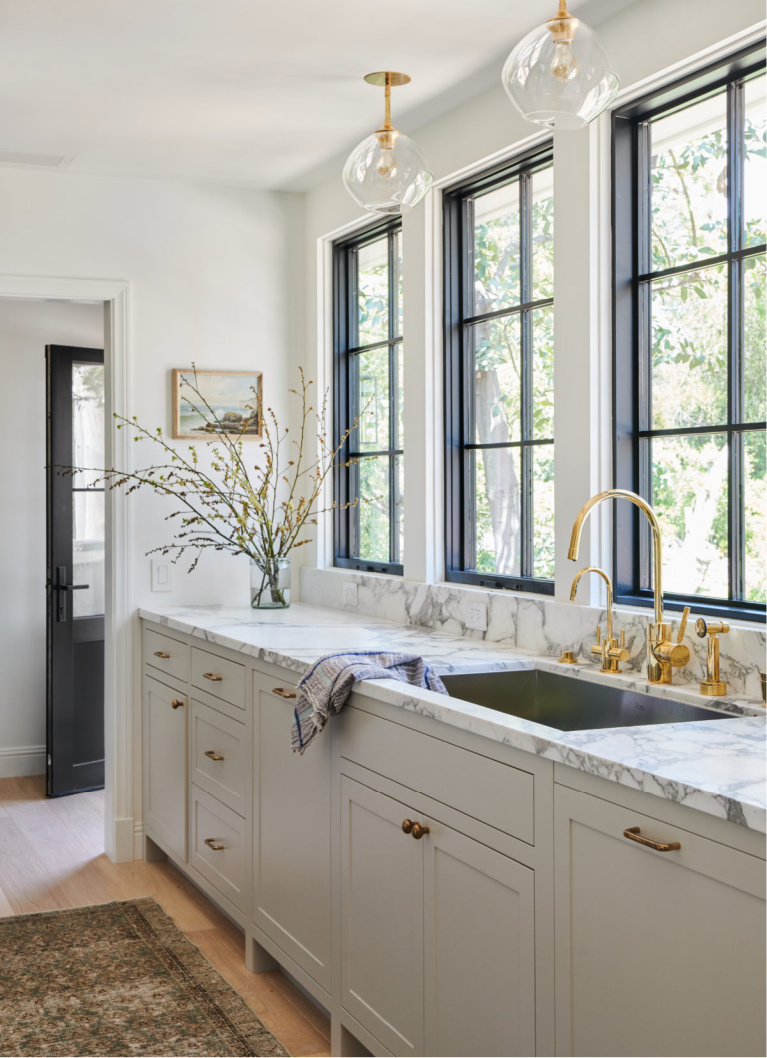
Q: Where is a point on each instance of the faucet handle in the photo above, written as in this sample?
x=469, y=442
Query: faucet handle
x=599, y=635
x=683, y=624
x=712, y=628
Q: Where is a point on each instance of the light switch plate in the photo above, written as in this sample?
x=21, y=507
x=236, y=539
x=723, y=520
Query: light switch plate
x=350, y=594
x=476, y=616
x=162, y=574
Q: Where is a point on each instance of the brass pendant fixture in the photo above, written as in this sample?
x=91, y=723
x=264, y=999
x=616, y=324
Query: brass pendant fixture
x=386, y=173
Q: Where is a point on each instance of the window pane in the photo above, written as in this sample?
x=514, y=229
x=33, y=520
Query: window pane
x=398, y=282
x=755, y=151
x=494, y=349
x=689, y=349
x=373, y=292
x=88, y=553
x=399, y=397
x=543, y=511
x=755, y=340
x=373, y=382
x=543, y=234
x=399, y=506
x=87, y=421
x=689, y=495
x=496, y=250
x=374, y=508
x=496, y=478
x=543, y=374
x=755, y=562
x=689, y=184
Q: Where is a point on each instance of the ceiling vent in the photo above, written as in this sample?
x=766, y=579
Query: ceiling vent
x=36, y=161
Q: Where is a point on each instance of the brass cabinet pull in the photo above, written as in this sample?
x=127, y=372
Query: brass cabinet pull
x=212, y=677
x=283, y=693
x=211, y=843
x=633, y=834
x=161, y=654
x=407, y=826
x=419, y=831
x=177, y=703
x=213, y=755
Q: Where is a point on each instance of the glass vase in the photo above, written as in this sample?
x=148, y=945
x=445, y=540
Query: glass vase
x=270, y=583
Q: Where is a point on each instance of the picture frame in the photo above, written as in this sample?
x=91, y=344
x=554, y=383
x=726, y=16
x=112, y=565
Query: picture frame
x=231, y=396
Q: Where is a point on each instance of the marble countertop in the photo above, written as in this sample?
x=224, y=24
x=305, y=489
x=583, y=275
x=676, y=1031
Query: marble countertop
x=716, y=768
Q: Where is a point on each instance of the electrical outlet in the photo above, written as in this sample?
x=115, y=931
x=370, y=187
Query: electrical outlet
x=161, y=574
x=476, y=616
x=350, y=594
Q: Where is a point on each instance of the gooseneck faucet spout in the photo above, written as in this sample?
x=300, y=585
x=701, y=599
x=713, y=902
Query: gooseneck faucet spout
x=661, y=653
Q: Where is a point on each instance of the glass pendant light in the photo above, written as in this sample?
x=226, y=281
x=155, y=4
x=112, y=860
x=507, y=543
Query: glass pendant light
x=386, y=173
x=560, y=75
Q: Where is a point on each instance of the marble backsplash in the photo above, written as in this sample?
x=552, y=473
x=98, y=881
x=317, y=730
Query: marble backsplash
x=540, y=624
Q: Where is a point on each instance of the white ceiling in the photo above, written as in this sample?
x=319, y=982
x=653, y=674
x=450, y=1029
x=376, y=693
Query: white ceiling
x=259, y=91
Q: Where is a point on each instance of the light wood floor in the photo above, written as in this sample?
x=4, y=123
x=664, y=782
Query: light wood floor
x=52, y=856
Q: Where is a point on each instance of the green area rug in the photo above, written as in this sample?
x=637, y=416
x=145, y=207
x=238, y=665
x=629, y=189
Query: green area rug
x=117, y=979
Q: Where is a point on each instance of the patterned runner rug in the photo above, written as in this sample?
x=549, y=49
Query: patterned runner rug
x=117, y=979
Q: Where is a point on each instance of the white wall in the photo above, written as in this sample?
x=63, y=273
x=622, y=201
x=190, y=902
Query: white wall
x=26, y=327
x=649, y=37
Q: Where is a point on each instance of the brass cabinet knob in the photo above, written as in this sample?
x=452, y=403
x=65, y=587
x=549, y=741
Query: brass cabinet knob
x=176, y=703
x=213, y=755
x=407, y=826
x=161, y=654
x=634, y=834
x=213, y=844
x=212, y=677
x=419, y=831
x=282, y=693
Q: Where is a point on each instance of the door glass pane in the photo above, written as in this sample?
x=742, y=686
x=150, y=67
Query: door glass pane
x=689, y=349
x=755, y=152
x=374, y=508
x=373, y=292
x=543, y=234
x=496, y=479
x=496, y=250
x=689, y=184
x=689, y=496
x=87, y=421
x=543, y=511
x=497, y=359
x=88, y=553
x=373, y=382
x=755, y=340
x=543, y=374
x=755, y=479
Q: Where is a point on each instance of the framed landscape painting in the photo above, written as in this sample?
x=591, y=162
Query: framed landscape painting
x=234, y=397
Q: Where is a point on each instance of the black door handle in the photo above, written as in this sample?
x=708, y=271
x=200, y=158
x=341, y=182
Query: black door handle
x=62, y=586
x=71, y=587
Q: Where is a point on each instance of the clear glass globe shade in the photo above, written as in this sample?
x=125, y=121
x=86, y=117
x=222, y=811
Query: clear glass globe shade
x=387, y=180
x=560, y=86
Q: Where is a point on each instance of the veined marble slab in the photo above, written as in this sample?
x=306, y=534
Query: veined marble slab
x=718, y=768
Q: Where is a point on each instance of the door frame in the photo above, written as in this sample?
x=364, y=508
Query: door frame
x=121, y=728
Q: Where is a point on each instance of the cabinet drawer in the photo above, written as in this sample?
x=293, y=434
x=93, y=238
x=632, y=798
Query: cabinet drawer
x=166, y=654
x=219, y=846
x=219, y=756
x=480, y=787
x=219, y=676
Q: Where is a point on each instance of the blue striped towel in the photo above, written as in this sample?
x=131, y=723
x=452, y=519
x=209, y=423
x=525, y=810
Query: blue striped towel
x=327, y=685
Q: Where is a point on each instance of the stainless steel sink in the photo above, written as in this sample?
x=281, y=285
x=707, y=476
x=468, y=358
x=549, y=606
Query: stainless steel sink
x=569, y=704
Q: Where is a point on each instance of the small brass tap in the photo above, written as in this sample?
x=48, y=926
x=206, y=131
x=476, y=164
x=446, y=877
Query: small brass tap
x=662, y=654
x=608, y=650
x=712, y=685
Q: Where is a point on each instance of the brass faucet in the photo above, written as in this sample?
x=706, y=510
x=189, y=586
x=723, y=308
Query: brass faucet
x=609, y=650
x=662, y=654
x=712, y=685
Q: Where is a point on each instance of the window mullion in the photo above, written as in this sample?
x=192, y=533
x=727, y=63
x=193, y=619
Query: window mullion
x=526, y=353
x=735, y=334
x=468, y=388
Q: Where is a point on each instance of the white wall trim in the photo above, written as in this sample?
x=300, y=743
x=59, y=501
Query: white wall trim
x=118, y=646
x=17, y=761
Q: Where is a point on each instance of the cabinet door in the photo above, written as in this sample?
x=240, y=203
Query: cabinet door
x=381, y=918
x=479, y=912
x=165, y=774
x=291, y=852
x=657, y=953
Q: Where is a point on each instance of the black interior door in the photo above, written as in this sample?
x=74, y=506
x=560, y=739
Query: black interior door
x=75, y=573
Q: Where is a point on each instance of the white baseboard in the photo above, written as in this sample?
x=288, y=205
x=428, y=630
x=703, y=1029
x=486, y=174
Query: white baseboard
x=138, y=841
x=16, y=761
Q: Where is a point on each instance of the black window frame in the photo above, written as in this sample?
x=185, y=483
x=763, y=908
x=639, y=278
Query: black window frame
x=345, y=347
x=458, y=280
x=631, y=275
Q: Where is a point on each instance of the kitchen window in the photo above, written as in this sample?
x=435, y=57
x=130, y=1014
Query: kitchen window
x=368, y=391
x=499, y=373
x=690, y=169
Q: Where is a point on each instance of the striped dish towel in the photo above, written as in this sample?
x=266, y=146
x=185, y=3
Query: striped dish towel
x=327, y=685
